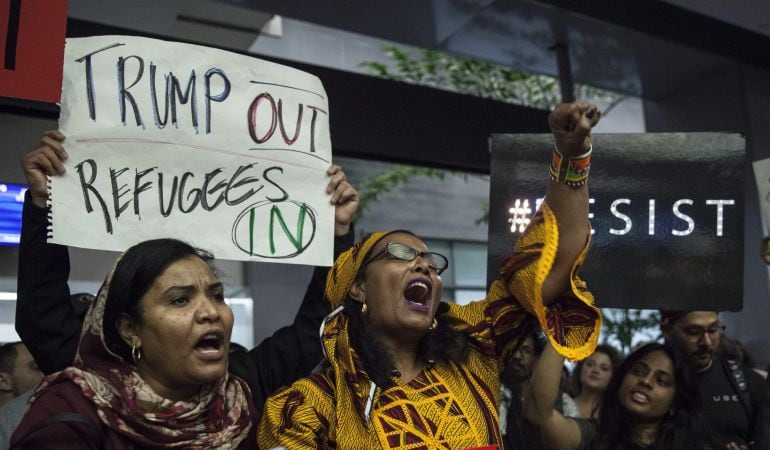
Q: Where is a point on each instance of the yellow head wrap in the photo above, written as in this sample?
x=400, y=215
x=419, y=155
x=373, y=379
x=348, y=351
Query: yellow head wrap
x=343, y=273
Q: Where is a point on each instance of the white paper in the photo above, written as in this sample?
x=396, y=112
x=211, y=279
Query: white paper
x=214, y=152
x=762, y=175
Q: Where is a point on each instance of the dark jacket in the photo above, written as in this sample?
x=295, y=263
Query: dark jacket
x=49, y=323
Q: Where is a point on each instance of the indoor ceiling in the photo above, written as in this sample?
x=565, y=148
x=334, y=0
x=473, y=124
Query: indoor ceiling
x=649, y=48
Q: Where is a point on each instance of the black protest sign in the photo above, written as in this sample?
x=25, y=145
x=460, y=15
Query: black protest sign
x=666, y=210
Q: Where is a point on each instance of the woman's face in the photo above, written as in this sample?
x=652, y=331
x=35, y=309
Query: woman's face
x=596, y=372
x=401, y=296
x=648, y=389
x=185, y=329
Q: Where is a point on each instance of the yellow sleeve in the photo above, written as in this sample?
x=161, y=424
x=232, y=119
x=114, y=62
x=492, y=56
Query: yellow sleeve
x=514, y=308
x=297, y=417
x=572, y=323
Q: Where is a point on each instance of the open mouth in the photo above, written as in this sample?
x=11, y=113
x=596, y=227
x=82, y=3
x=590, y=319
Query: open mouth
x=211, y=345
x=418, y=294
x=640, y=397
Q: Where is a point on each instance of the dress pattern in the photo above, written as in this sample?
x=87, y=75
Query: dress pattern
x=447, y=405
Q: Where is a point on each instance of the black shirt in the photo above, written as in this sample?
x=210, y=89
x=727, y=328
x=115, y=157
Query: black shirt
x=721, y=404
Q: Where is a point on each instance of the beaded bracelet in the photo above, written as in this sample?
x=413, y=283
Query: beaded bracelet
x=572, y=170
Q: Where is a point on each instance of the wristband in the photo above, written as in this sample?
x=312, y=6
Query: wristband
x=570, y=170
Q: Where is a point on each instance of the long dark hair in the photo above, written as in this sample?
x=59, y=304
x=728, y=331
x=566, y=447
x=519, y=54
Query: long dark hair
x=133, y=276
x=682, y=430
x=443, y=343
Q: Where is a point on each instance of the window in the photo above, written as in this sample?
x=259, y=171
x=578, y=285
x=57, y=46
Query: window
x=243, y=330
x=243, y=321
x=466, y=278
x=8, y=317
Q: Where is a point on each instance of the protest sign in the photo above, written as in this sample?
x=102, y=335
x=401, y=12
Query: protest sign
x=666, y=211
x=175, y=140
x=762, y=177
x=32, y=46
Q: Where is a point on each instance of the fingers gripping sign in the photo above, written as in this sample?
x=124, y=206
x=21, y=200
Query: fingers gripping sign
x=44, y=161
x=344, y=197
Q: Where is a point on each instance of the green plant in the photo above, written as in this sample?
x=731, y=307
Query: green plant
x=372, y=188
x=622, y=325
x=466, y=76
x=480, y=78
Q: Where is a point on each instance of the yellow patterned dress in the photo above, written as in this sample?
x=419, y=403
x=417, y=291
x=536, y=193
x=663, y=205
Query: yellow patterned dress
x=447, y=405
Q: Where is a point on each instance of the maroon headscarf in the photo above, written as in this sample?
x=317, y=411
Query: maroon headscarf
x=216, y=418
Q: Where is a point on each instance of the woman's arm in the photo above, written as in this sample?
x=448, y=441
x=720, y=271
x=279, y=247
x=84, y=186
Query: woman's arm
x=538, y=284
x=539, y=403
x=571, y=128
x=46, y=320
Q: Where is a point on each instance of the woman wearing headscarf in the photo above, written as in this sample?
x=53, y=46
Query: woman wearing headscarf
x=151, y=366
x=405, y=370
x=50, y=324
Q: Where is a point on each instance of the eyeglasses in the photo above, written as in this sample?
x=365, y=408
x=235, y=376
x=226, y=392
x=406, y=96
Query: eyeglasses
x=403, y=252
x=695, y=333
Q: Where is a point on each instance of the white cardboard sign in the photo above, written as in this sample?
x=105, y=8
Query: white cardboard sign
x=165, y=139
x=762, y=176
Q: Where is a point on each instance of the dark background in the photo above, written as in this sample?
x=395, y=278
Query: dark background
x=700, y=271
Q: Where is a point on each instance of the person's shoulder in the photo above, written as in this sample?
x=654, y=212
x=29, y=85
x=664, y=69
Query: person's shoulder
x=588, y=428
x=16, y=406
x=757, y=384
x=316, y=389
x=61, y=396
x=60, y=410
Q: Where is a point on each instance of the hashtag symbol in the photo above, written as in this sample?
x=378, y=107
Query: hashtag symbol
x=519, y=215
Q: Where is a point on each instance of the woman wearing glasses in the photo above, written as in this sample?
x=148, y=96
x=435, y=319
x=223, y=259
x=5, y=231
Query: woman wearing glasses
x=405, y=370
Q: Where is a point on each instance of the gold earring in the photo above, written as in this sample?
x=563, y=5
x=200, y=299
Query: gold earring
x=433, y=325
x=363, y=310
x=136, y=353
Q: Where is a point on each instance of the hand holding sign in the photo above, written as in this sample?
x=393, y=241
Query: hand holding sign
x=571, y=125
x=345, y=199
x=42, y=162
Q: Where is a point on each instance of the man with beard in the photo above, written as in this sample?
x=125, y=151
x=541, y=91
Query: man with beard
x=734, y=398
x=518, y=434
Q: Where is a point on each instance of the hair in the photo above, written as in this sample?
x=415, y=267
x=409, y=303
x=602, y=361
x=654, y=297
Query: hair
x=765, y=242
x=733, y=349
x=682, y=430
x=616, y=358
x=443, y=343
x=133, y=276
x=8, y=356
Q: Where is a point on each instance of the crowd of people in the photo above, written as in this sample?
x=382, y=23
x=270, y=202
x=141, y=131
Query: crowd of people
x=147, y=362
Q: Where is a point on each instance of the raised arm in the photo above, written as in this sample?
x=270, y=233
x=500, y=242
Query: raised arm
x=540, y=403
x=571, y=127
x=542, y=273
x=294, y=350
x=45, y=318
